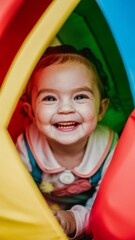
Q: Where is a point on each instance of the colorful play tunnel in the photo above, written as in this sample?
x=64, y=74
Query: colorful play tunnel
x=27, y=28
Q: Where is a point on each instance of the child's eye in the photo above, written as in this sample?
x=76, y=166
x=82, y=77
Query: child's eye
x=80, y=97
x=49, y=98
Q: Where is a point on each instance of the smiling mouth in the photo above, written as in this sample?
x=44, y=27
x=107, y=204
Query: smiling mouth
x=67, y=126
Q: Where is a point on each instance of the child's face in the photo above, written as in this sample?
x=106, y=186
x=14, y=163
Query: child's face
x=66, y=103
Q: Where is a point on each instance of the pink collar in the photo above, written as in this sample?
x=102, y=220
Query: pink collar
x=97, y=149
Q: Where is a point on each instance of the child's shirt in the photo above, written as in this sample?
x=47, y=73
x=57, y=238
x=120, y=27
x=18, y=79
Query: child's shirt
x=76, y=189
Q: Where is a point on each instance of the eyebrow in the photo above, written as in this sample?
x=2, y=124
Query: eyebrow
x=45, y=90
x=74, y=90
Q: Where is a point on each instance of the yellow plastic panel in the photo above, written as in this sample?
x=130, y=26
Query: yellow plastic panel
x=24, y=214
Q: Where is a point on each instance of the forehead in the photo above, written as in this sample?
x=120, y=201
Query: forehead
x=65, y=80
x=43, y=68
x=65, y=72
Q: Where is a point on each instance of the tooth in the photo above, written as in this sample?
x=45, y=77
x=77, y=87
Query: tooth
x=66, y=124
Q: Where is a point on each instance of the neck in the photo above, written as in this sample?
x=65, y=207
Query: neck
x=68, y=156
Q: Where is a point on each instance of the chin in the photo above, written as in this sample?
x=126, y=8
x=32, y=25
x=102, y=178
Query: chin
x=68, y=142
x=65, y=143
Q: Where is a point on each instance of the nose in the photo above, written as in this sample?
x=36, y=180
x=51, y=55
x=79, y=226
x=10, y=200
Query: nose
x=66, y=107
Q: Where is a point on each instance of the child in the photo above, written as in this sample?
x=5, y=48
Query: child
x=65, y=148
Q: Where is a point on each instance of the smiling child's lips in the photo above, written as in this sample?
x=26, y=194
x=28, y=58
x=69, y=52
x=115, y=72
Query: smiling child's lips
x=66, y=124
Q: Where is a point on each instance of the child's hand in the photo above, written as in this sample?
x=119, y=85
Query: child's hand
x=66, y=220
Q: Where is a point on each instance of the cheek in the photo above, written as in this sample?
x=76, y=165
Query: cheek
x=89, y=112
x=42, y=114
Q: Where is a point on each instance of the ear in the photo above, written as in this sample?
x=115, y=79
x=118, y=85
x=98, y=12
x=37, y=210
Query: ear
x=28, y=108
x=103, y=107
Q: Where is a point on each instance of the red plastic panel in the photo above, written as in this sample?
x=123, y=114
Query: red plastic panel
x=17, y=18
x=113, y=214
